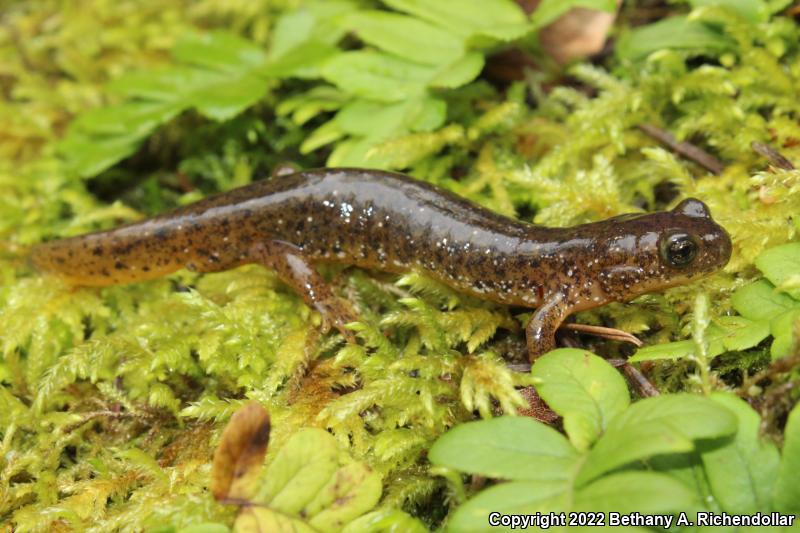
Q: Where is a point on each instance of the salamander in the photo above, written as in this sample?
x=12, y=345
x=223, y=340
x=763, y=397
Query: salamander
x=391, y=222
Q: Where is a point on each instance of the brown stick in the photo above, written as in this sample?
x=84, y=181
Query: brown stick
x=685, y=149
x=642, y=385
x=606, y=333
x=779, y=366
x=775, y=158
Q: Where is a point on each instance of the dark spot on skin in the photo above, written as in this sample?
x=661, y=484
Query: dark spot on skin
x=146, y=268
x=97, y=251
x=119, y=265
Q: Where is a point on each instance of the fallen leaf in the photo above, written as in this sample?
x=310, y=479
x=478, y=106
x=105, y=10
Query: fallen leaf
x=240, y=454
x=577, y=34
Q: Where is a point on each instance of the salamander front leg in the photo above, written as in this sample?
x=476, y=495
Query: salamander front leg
x=541, y=328
x=294, y=269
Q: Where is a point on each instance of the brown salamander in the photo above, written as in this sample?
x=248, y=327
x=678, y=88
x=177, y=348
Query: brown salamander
x=388, y=221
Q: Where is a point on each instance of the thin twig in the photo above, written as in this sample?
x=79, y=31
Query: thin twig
x=683, y=148
x=88, y=417
x=606, y=333
x=599, y=331
x=775, y=158
x=643, y=386
x=779, y=366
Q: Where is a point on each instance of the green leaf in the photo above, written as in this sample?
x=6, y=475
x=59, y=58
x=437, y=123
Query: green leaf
x=752, y=10
x=727, y=333
x=406, y=37
x=659, y=425
x=518, y=497
x=88, y=156
x=686, y=468
x=781, y=265
x=427, y=115
x=783, y=329
x=259, y=519
x=305, y=106
x=219, y=74
x=306, y=479
x=302, y=467
x=291, y=29
x=731, y=333
x=377, y=76
x=303, y=61
x=219, y=51
x=516, y=448
x=677, y=33
x=786, y=492
x=224, y=80
x=371, y=119
x=386, y=521
x=741, y=469
x=222, y=100
x=353, y=490
x=313, y=21
x=378, y=120
x=499, y=19
x=667, y=350
x=760, y=301
x=325, y=134
x=126, y=122
x=629, y=492
x=584, y=389
x=370, y=123
x=460, y=72
x=355, y=152
x=549, y=10
x=775, y=6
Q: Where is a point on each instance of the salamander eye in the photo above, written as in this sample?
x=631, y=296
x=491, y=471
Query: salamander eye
x=679, y=249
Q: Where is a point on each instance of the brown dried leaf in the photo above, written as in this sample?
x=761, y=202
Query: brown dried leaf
x=577, y=34
x=240, y=454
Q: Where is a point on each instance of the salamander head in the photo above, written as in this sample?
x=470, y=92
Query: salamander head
x=658, y=250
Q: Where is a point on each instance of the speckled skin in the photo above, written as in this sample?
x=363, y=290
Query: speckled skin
x=390, y=222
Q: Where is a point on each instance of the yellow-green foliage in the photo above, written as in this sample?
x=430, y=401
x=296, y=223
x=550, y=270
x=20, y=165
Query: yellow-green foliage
x=112, y=399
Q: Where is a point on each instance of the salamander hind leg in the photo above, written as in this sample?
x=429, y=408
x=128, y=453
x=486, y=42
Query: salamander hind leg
x=541, y=328
x=295, y=269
